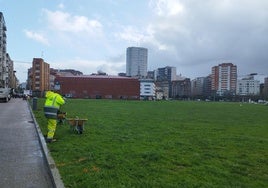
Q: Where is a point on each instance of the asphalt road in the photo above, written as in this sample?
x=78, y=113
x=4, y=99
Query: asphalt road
x=22, y=160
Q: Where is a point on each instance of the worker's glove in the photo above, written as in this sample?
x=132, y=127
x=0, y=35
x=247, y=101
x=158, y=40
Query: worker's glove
x=65, y=99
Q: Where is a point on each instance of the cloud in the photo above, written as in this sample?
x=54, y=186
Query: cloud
x=131, y=34
x=205, y=33
x=65, y=22
x=39, y=37
x=74, y=34
x=166, y=7
x=188, y=34
x=61, y=6
x=90, y=66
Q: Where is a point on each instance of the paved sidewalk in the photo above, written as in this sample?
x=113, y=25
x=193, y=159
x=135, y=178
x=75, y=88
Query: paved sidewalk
x=24, y=158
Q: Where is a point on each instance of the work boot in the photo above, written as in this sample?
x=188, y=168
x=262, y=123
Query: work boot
x=50, y=140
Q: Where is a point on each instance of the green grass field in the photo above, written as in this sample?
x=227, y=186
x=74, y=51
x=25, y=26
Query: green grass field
x=162, y=144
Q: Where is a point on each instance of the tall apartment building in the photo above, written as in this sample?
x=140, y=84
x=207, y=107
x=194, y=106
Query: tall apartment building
x=207, y=86
x=39, y=76
x=166, y=74
x=197, y=86
x=201, y=87
x=3, y=62
x=224, y=79
x=136, y=62
x=12, y=81
x=7, y=73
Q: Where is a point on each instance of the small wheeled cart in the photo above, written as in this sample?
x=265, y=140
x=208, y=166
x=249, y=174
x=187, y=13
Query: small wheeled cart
x=61, y=117
x=76, y=124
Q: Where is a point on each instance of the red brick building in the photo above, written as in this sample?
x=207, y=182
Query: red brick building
x=97, y=86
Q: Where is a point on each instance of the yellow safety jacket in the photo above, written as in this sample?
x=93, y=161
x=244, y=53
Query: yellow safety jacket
x=52, y=104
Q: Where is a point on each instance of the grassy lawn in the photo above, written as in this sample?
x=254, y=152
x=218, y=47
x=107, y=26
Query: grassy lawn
x=162, y=144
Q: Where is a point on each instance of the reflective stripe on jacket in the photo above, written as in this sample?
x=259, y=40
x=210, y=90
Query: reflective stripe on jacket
x=52, y=104
x=51, y=112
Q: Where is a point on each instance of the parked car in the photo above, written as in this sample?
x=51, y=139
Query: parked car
x=5, y=94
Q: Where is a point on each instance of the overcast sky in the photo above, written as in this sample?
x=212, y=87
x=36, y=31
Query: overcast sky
x=92, y=35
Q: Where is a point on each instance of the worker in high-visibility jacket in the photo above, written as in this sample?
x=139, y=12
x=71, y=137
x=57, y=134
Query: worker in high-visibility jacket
x=52, y=105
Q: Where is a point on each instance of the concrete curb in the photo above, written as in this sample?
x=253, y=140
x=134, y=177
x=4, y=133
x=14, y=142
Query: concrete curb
x=54, y=173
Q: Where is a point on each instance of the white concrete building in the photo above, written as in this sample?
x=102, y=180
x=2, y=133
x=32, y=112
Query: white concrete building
x=248, y=86
x=147, y=89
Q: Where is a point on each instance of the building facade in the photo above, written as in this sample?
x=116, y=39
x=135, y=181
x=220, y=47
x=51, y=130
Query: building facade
x=248, y=86
x=61, y=72
x=166, y=74
x=7, y=74
x=147, y=89
x=181, y=89
x=3, y=50
x=201, y=87
x=11, y=81
x=39, y=77
x=136, y=62
x=207, y=87
x=98, y=87
x=198, y=86
x=265, y=88
x=224, y=79
x=162, y=89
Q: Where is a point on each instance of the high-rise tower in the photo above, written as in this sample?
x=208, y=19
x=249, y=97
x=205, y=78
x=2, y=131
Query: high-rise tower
x=224, y=78
x=136, y=65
